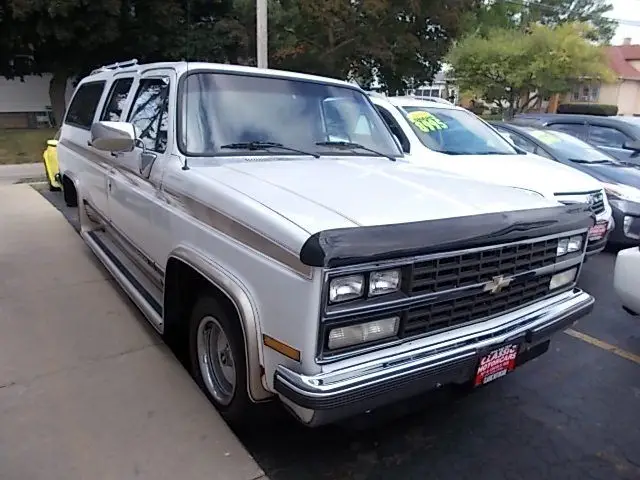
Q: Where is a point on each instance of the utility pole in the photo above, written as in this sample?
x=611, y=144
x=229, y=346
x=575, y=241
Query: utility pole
x=261, y=34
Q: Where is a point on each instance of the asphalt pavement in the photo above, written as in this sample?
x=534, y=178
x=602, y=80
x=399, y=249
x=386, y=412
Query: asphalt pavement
x=571, y=414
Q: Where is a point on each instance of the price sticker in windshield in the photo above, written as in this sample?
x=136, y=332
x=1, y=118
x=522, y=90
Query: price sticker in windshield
x=545, y=137
x=426, y=122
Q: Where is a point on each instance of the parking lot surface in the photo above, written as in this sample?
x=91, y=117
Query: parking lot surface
x=571, y=414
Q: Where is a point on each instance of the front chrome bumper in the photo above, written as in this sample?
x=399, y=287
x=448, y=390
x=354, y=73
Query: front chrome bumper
x=347, y=391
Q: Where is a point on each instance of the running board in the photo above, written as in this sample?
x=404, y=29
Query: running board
x=142, y=292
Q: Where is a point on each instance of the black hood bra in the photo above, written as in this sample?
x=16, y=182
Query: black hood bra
x=350, y=246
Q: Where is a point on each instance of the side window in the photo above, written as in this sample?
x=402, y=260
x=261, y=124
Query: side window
x=606, y=136
x=84, y=105
x=150, y=113
x=112, y=111
x=576, y=129
x=395, y=128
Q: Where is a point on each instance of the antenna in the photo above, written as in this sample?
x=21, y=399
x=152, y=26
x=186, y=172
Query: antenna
x=186, y=103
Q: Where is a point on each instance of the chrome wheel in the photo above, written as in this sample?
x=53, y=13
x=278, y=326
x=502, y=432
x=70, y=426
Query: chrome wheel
x=215, y=357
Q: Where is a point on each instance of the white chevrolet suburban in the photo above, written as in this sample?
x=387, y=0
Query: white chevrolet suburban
x=291, y=263
x=452, y=139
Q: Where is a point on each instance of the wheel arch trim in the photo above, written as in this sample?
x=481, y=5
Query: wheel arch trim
x=239, y=296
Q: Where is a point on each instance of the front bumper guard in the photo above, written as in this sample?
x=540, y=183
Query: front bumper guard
x=355, y=389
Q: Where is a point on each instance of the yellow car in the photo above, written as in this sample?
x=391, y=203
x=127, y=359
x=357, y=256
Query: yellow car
x=50, y=157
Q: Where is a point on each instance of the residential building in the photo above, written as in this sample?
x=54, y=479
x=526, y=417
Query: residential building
x=25, y=103
x=624, y=61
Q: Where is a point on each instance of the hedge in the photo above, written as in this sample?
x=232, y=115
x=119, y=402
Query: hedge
x=588, y=109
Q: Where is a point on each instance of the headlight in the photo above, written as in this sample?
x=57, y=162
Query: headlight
x=342, y=337
x=346, y=288
x=351, y=287
x=622, y=192
x=386, y=281
x=563, y=278
x=569, y=245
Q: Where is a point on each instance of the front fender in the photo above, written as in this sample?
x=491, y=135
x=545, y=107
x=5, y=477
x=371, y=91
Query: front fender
x=241, y=298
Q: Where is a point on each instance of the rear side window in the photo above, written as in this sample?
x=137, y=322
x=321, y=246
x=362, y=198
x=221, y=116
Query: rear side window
x=576, y=129
x=83, y=107
x=606, y=136
x=115, y=101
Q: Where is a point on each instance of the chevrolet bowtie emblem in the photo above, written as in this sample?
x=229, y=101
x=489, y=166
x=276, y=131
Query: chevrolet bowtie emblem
x=497, y=284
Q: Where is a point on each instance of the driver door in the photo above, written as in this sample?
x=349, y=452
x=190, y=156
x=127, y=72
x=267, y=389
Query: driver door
x=134, y=182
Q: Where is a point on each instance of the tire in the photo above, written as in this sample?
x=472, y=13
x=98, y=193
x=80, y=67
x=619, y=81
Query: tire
x=215, y=342
x=70, y=194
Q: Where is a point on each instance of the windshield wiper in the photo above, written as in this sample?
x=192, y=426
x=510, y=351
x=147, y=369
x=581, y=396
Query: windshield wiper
x=492, y=153
x=256, y=145
x=354, y=146
x=593, y=162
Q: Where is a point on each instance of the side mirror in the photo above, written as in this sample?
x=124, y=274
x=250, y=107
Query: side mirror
x=113, y=136
x=633, y=145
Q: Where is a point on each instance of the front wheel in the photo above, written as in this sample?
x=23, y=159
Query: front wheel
x=217, y=358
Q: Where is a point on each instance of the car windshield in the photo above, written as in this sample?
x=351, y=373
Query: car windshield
x=569, y=146
x=231, y=114
x=455, y=131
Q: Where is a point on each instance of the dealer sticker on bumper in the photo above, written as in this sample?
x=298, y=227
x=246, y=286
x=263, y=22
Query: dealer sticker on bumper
x=598, y=231
x=496, y=364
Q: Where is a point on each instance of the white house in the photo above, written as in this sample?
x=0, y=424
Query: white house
x=26, y=104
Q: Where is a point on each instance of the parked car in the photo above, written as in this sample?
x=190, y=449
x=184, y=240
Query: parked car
x=292, y=265
x=626, y=279
x=618, y=136
x=455, y=140
x=621, y=180
x=50, y=161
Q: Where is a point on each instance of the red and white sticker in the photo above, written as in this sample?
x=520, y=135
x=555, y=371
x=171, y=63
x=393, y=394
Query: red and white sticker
x=496, y=364
x=598, y=231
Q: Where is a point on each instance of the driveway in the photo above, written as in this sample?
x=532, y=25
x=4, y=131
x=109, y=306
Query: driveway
x=87, y=389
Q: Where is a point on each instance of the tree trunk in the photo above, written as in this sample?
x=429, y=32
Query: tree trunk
x=57, y=94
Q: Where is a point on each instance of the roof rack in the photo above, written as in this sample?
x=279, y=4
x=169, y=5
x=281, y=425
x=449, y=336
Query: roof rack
x=115, y=66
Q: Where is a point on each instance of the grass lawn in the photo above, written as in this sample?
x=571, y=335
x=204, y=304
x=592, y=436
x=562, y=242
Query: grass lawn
x=23, y=145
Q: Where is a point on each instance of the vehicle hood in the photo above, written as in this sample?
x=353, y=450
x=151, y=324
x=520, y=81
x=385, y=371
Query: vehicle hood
x=612, y=173
x=524, y=171
x=327, y=193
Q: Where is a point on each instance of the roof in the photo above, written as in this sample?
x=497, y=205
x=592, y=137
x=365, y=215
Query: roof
x=183, y=67
x=408, y=101
x=620, y=56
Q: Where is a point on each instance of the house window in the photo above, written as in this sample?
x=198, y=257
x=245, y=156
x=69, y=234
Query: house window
x=586, y=93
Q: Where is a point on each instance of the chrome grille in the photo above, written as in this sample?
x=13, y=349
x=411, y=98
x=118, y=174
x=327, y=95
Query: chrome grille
x=473, y=268
x=456, y=312
x=594, y=199
x=477, y=267
x=597, y=203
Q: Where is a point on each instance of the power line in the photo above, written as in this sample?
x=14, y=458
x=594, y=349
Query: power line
x=554, y=9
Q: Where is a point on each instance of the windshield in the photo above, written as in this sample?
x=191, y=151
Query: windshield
x=456, y=132
x=569, y=146
x=219, y=110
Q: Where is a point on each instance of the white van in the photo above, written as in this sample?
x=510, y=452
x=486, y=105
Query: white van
x=454, y=140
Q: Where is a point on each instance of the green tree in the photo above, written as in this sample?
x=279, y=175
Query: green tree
x=70, y=37
x=513, y=68
x=519, y=14
x=397, y=41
